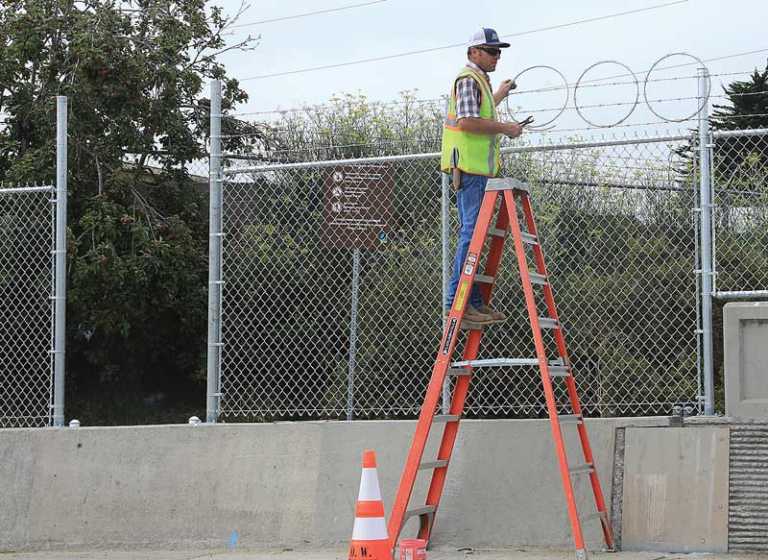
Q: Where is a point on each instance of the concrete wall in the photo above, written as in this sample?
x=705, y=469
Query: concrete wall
x=745, y=330
x=283, y=483
x=675, y=494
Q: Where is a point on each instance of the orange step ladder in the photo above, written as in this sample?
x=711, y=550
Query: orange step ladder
x=511, y=192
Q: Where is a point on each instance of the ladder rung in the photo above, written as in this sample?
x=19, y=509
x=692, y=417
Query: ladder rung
x=548, y=323
x=434, y=464
x=485, y=279
x=505, y=184
x=537, y=278
x=558, y=370
x=570, y=418
x=593, y=516
x=423, y=510
x=497, y=362
x=446, y=418
x=586, y=468
x=496, y=232
x=556, y=367
x=528, y=238
x=459, y=371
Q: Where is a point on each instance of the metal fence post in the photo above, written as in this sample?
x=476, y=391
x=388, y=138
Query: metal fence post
x=214, y=259
x=446, y=272
x=60, y=252
x=352, y=365
x=705, y=203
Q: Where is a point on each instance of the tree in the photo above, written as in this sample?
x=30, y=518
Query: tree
x=748, y=104
x=134, y=74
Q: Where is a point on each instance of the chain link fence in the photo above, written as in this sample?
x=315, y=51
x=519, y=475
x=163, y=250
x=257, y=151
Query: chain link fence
x=316, y=323
x=27, y=240
x=740, y=211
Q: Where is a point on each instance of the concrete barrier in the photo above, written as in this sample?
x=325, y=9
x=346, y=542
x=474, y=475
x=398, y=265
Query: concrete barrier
x=279, y=484
x=675, y=494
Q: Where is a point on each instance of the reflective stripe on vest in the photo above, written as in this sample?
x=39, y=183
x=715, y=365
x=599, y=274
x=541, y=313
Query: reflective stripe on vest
x=477, y=154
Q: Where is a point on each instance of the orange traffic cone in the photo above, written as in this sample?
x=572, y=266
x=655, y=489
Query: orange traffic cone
x=369, y=535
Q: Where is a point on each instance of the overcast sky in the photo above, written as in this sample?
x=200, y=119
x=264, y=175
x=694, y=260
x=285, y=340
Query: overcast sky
x=705, y=28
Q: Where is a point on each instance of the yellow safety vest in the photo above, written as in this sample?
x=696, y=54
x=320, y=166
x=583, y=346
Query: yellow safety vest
x=477, y=154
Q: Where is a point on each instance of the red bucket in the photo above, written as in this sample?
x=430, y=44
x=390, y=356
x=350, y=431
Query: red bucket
x=413, y=549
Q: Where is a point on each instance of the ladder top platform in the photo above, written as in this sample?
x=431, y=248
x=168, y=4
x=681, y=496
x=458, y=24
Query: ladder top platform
x=507, y=183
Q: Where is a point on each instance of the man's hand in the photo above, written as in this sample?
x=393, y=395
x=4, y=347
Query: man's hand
x=504, y=88
x=477, y=125
x=513, y=130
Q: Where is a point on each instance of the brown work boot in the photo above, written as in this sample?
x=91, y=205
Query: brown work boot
x=497, y=316
x=475, y=319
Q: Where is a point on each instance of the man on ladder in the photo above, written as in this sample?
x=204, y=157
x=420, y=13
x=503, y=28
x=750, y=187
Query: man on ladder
x=470, y=153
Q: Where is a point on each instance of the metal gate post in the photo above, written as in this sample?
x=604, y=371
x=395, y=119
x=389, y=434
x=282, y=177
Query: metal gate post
x=215, y=244
x=705, y=204
x=60, y=264
x=445, y=232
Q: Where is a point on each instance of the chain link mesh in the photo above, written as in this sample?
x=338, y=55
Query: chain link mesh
x=740, y=212
x=618, y=231
x=26, y=310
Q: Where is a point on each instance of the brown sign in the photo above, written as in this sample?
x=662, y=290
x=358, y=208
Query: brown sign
x=357, y=206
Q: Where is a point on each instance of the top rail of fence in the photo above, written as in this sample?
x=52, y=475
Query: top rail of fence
x=508, y=150
x=18, y=190
x=740, y=133
x=435, y=155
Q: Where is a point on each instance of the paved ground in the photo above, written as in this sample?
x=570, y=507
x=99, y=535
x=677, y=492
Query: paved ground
x=341, y=554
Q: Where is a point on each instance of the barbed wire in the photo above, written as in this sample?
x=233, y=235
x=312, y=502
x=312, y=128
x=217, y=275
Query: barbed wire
x=559, y=110
x=555, y=130
x=735, y=55
x=633, y=104
x=650, y=123
x=443, y=98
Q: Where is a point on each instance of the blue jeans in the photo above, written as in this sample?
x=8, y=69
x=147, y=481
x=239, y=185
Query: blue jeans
x=468, y=200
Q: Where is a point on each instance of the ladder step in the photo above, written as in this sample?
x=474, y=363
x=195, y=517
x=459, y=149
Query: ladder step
x=505, y=184
x=593, y=516
x=558, y=370
x=570, y=418
x=459, y=371
x=556, y=367
x=497, y=362
x=423, y=510
x=434, y=464
x=484, y=279
x=496, y=232
x=446, y=418
x=528, y=238
x=537, y=278
x=548, y=323
x=585, y=468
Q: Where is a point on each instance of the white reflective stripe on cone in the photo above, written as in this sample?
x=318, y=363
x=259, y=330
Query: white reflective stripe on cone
x=369, y=486
x=369, y=529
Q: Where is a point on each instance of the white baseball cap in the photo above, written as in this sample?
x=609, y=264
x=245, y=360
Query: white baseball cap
x=485, y=36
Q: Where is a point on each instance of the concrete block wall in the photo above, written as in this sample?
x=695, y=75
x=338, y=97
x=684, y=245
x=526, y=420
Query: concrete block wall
x=279, y=484
x=296, y=484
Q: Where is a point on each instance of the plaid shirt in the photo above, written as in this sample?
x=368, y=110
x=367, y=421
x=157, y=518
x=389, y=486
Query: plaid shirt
x=468, y=94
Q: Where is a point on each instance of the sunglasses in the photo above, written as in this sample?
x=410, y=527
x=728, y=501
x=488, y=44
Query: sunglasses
x=493, y=52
